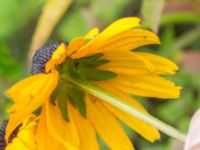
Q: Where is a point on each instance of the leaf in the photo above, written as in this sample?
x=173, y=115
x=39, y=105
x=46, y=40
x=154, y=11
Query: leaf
x=151, y=11
x=52, y=12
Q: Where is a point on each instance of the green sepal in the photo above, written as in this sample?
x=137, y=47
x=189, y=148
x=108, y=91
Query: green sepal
x=69, y=68
x=77, y=98
x=100, y=62
x=96, y=75
x=62, y=102
x=88, y=61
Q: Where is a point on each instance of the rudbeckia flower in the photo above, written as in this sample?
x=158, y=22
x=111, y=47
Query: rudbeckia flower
x=29, y=136
x=74, y=117
x=23, y=137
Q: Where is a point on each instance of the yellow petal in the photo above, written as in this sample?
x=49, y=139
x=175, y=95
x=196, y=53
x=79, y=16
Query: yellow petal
x=124, y=41
x=115, y=28
x=126, y=59
x=25, y=138
x=120, y=26
x=92, y=33
x=107, y=126
x=27, y=95
x=125, y=70
x=35, y=91
x=16, y=89
x=57, y=57
x=129, y=40
x=144, y=129
x=44, y=139
x=17, y=144
x=75, y=45
x=63, y=131
x=32, y=100
x=161, y=64
x=148, y=86
x=108, y=86
x=139, y=60
x=86, y=131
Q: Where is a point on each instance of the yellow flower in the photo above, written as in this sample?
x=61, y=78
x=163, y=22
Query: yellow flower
x=25, y=136
x=32, y=136
x=74, y=117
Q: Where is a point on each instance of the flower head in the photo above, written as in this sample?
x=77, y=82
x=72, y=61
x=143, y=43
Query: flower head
x=23, y=137
x=30, y=135
x=72, y=116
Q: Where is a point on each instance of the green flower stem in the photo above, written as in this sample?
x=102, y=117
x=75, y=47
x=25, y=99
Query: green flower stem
x=119, y=103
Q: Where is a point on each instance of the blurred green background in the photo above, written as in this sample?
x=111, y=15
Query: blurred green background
x=177, y=22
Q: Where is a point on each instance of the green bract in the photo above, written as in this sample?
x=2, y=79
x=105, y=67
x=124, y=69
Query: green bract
x=84, y=69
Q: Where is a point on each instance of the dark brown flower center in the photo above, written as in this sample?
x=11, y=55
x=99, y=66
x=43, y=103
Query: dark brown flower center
x=3, y=132
x=2, y=135
x=42, y=56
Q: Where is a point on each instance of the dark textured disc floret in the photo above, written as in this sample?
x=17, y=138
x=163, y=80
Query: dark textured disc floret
x=2, y=135
x=42, y=56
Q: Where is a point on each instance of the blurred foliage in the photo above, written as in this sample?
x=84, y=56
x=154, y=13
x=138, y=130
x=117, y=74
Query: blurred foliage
x=152, y=15
x=52, y=11
x=179, y=22
x=15, y=14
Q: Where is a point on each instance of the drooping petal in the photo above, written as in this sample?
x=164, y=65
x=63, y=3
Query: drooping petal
x=45, y=140
x=144, y=129
x=125, y=70
x=31, y=100
x=86, y=131
x=57, y=57
x=161, y=64
x=115, y=28
x=16, y=89
x=60, y=129
x=107, y=126
x=123, y=95
x=147, y=86
x=139, y=60
x=126, y=59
